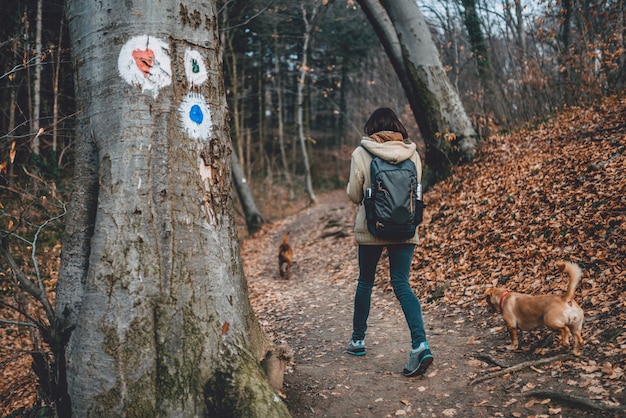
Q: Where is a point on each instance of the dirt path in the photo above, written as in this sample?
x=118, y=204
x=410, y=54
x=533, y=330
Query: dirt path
x=312, y=313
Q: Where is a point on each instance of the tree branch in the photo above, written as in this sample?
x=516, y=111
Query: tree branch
x=571, y=400
x=33, y=322
x=18, y=323
x=490, y=360
x=519, y=367
x=26, y=283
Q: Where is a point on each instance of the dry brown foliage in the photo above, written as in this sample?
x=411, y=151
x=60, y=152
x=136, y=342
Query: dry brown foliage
x=551, y=192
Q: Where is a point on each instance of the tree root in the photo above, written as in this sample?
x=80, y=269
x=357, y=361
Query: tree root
x=571, y=400
x=519, y=367
x=274, y=363
x=490, y=360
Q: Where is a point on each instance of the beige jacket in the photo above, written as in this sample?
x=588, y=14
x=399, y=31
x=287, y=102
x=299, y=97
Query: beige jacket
x=392, y=151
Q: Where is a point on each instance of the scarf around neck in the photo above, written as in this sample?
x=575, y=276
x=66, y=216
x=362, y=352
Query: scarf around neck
x=386, y=136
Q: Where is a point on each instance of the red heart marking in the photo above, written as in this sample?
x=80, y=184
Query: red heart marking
x=144, y=59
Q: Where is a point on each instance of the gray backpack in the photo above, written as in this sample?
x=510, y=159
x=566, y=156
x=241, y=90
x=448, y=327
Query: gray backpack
x=393, y=204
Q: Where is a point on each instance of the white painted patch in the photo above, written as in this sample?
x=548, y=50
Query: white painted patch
x=195, y=68
x=145, y=61
x=206, y=172
x=195, y=116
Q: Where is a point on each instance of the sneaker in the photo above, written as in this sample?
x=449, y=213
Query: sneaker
x=420, y=359
x=356, y=348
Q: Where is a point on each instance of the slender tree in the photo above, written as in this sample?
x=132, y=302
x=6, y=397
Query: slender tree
x=151, y=288
x=280, y=129
x=254, y=219
x=36, y=114
x=489, y=87
x=308, y=17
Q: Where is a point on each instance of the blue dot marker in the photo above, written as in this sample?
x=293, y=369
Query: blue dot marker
x=195, y=114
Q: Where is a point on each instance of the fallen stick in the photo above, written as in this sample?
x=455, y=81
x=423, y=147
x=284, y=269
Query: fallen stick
x=571, y=400
x=490, y=360
x=519, y=367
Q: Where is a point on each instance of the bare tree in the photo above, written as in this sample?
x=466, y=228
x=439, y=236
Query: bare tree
x=280, y=129
x=254, y=219
x=37, y=81
x=436, y=106
x=309, y=27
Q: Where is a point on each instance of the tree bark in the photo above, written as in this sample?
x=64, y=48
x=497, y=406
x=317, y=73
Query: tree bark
x=254, y=219
x=55, y=98
x=278, y=87
x=308, y=30
x=35, y=117
x=437, y=108
x=163, y=323
x=491, y=91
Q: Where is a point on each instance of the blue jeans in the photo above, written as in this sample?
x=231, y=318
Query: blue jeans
x=400, y=256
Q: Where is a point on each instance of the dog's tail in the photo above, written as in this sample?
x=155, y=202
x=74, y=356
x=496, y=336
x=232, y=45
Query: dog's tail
x=574, y=273
x=286, y=234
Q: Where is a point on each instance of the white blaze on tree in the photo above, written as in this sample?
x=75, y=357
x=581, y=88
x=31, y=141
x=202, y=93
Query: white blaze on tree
x=151, y=280
x=144, y=61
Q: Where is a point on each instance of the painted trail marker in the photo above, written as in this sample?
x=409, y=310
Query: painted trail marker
x=145, y=61
x=195, y=68
x=195, y=116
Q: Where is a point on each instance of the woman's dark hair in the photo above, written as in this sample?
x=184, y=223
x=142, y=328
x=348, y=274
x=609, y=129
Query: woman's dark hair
x=384, y=119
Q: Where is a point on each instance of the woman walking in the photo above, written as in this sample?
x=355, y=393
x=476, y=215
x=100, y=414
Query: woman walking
x=388, y=139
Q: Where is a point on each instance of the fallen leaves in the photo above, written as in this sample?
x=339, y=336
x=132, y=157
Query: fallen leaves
x=531, y=198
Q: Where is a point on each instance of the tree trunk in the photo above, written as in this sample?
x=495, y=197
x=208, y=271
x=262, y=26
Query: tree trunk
x=278, y=86
x=437, y=108
x=308, y=29
x=619, y=40
x=565, y=56
x=34, y=146
x=55, y=99
x=12, y=106
x=254, y=219
x=477, y=40
x=520, y=30
x=491, y=90
x=163, y=323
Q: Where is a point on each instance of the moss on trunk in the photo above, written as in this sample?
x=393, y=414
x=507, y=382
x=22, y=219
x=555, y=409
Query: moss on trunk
x=240, y=389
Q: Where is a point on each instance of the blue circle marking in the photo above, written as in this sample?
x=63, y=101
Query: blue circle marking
x=195, y=114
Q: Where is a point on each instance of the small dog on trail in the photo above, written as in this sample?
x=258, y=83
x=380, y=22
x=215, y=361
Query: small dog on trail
x=285, y=255
x=557, y=312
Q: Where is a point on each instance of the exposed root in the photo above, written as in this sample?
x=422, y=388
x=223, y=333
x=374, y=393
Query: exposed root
x=519, y=367
x=571, y=400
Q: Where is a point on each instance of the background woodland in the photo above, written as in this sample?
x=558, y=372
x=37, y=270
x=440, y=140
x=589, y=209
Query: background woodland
x=512, y=63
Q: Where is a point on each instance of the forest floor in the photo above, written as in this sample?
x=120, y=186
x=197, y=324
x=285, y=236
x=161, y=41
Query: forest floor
x=553, y=191
x=530, y=199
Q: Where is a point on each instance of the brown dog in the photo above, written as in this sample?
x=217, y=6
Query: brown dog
x=526, y=312
x=285, y=255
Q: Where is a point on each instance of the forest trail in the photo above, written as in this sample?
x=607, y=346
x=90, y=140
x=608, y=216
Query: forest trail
x=530, y=199
x=312, y=313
